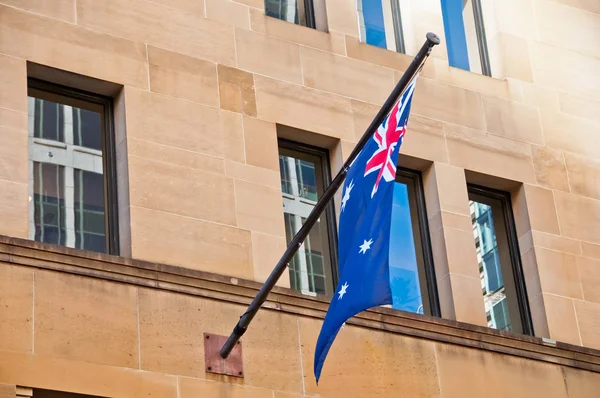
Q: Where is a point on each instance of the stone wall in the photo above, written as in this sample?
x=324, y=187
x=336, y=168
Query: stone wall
x=94, y=324
x=204, y=86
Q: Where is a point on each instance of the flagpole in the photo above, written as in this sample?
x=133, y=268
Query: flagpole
x=242, y=325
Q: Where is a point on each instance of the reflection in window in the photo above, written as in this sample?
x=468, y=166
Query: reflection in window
x=89, y=211
x=477, y=42
x=294, y=11
x=489, y=266
x=87, y=128
x=302, y=171
x=386, y=24
x=306, y=268
x=49, y=203
x=67, y=183
x=49, y=121
x=301, y=181
x=470, y=29
x=373, y=23
x=411, y=267
x=502, y=284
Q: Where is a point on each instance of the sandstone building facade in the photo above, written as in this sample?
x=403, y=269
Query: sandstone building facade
x=157, y=155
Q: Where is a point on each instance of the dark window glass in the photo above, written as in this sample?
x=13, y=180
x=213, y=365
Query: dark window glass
x=411, y=267
x=304, y=172
x=87, y=128
x=299, y=12
x=39, y=393
x=287, y=10
x=48, y=120
x=49, y=203
x=503, y=288
x=89, y=211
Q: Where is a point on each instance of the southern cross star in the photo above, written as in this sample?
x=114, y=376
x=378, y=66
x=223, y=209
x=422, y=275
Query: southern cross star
x=347, y=194
x=343, y=290
x=365, y=246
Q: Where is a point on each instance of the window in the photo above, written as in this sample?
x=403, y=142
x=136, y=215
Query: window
x=382, y=21
x=466, y=35
x=477, y=46
x=304, y=176
x=299, y=12
x=39, y=393
x=502, y=282
x=71, y=156
x=412, y=276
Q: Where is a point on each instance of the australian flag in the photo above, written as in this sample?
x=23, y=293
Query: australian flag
x=364, y=231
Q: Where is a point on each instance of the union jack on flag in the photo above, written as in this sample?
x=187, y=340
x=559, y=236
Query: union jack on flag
x=364, y=231
x=387, y=136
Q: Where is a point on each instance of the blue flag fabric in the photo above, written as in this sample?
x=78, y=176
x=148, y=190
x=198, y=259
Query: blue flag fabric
x=364, y=230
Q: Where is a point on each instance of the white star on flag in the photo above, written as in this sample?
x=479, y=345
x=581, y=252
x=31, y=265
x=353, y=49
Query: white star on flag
x=347, y=194
x=365, y=246
x=343, y=290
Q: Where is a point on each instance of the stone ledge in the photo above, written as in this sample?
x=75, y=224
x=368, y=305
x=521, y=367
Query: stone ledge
x=27, y=253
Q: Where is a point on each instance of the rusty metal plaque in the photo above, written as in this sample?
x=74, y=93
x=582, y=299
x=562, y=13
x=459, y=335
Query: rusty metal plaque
x=232, y=366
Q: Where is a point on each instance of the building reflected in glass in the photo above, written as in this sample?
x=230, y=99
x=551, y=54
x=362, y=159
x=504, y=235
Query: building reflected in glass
x=488, y=256
x=301, y=175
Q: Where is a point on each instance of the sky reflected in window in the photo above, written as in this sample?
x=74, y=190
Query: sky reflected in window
x=404, y=274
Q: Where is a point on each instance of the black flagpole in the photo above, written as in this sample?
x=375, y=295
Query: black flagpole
x=246, y=318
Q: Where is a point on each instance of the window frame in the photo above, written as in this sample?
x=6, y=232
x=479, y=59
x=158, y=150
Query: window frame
x=518, y=278
x=428, y=269
x=330, y=215
x=41, y=88
x=484, y=55
x=398, y=28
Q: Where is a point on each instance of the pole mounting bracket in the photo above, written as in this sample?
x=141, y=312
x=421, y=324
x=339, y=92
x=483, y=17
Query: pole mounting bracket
x=214, y=363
